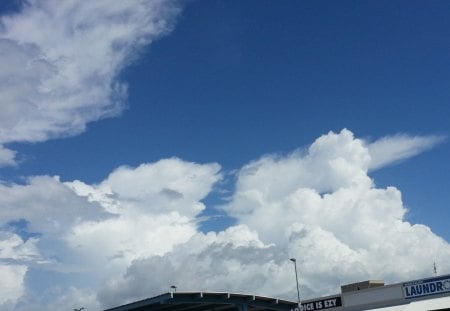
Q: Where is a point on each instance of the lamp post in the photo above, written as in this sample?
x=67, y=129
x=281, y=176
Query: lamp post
x=174, y=288
x=296, y=279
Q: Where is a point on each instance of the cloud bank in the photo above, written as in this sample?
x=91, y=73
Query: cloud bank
x=137, y=232
x=61, y=61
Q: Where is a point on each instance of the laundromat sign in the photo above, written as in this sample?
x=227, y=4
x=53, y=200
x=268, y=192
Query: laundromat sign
x=427, y=287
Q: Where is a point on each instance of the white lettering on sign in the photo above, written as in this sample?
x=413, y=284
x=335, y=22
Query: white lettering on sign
x=331, y=303
x=426, y=287
x=321, y=304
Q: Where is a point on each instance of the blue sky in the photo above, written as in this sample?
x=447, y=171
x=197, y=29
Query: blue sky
x=252, y=86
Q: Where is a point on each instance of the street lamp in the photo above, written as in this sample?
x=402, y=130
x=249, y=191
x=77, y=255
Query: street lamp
x=174, y=288
x=296, y=279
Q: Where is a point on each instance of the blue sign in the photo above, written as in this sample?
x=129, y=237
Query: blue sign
x=426, y=287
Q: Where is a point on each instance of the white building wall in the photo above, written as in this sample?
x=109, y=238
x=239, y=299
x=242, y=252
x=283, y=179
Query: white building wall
x=386, y=294
x=419, y=295
x=424, y=305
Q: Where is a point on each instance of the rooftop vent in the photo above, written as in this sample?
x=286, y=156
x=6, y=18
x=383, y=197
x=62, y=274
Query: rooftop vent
x=361, y=285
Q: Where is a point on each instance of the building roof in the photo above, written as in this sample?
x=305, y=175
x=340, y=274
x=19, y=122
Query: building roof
x=200, y=301
x=416, y=295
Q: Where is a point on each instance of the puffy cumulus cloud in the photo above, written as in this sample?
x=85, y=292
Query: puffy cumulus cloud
x=50, y=207
x=14, y=248
x=179, y=187
x=15, y=253
x=321, y=205
x=136, y=233
x=81, y=234
x=396, y=148
x=151, y=201
x=291, y=188
x=60, y=62
x=403, y=252
x=234, y=260
x=318, y=205
x=34, y=218
x=12, y=284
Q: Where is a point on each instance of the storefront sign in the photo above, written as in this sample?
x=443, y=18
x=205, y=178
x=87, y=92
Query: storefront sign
x=322, y=304
x=426, y=287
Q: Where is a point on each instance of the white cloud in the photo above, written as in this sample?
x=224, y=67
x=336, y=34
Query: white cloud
x=85, y=233
x=58, y=298
x=325, y=209
x=11, y=284
x=392, y=149
x=288, y=188
x=178, y=188
x=151, y=201
x=15, y=254
x=60, y=62
x=49, y=206
x=319, y=206
x=136, y=233
x=12, y=247
x=7, y=156
x=230, y=261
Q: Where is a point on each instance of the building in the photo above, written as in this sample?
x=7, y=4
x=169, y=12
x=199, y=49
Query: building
x=423, y=294
x=429, y=294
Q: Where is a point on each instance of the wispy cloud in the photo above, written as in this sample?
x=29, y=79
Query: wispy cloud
x=60, y=63
x=393, y=149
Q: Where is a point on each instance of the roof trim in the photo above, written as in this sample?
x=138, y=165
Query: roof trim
x=199, y=301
